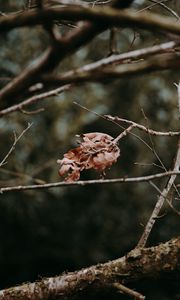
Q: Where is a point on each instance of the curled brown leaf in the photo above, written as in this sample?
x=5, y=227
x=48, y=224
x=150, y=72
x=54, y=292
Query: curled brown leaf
x=96, y=151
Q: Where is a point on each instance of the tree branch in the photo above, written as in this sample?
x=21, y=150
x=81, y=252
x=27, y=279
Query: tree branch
x=108, y=16
x=141, y=127
x=81, y=74
x=56, y=53
x=127, y=56
x=33, y=99
x=156, y=63
x=16, y=139
x=164, y=195
x=145, y=263
x=80, y=36
x=124, y=290
x=88, y=182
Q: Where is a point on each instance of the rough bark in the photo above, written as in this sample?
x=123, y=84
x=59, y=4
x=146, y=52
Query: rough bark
x=140, y=263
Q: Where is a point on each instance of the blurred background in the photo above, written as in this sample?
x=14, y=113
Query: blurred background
x=44, y=233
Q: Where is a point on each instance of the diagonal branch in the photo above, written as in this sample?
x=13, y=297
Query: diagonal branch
x=172, y=12
x=137, y=265
x=102, y=19
x=164, y=195
x=81, y=74
x=16, y=139
x=156, y=63
x=33, y=99
x=116, y=59
x=60, y=48
x=160, y=203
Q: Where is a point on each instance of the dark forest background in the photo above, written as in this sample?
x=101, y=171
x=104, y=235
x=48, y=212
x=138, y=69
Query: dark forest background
x=45, y=233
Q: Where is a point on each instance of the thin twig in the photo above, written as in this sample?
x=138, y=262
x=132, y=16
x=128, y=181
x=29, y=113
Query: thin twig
x=160, y=202
x=164, y=195
x=23, y=176
x=125, y=290
x=16, y=139
x=33, y=112
x=151, y=6
x=33, y=99
x=172, y=12
x=143, y=128
x=88, y=182
x=124, y=133
x=166, y=199
x=154, y=150
x=116, y=123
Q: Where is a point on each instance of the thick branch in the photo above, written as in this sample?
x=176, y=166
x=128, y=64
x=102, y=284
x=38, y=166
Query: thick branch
x=108, y=16
x=56, y=53
x=100, y=21
x=94, y=71
x=156, y=63
x=116, y=59
x=138, y=264
x=30, y=75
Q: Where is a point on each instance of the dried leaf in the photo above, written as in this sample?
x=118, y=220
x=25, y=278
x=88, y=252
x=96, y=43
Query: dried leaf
x=96, y=151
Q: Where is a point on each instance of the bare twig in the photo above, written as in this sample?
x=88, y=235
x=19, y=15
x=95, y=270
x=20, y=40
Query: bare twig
x=125, y=290
x=151, y=5
x=32, y=112
x=166, y=199
x=16, y=139
x=116, y=123
x=172, y=12
x=164, y=195
x=161, y=199
x=22, y=176
x=143, y=128
x=154, y=150
x=88, y=182
x=33, y=99
x=122, y=134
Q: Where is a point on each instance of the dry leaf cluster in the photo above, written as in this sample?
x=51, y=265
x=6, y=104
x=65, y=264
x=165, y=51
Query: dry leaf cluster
x=96, y=151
